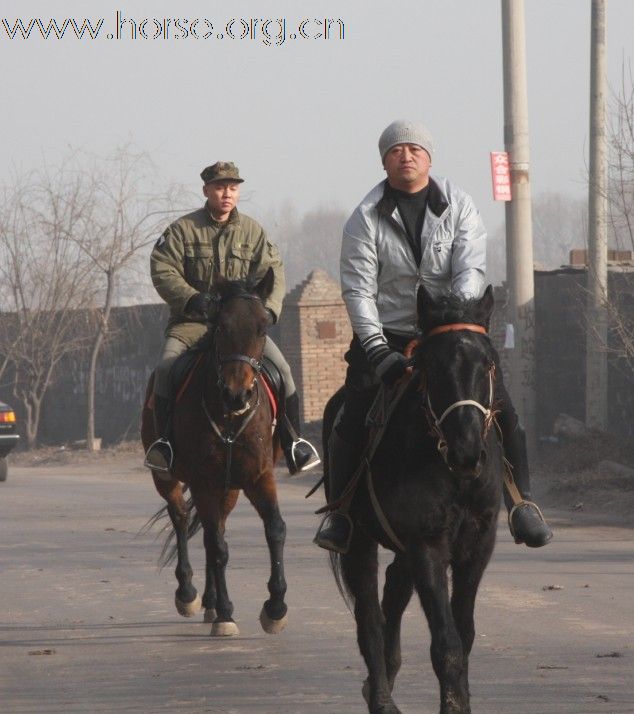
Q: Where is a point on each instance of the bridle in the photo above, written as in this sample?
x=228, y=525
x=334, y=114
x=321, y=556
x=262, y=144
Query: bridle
x=219, y=362
x=488, y=411
x=225, y=431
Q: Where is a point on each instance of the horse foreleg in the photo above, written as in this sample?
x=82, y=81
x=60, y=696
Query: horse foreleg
x=359, y=567
x=396, y=595
x=209, y=596
x=273, y=616
x=186, y=598
x=217, y=556
x=467, y=569
x=429, y=570
x=213, y=507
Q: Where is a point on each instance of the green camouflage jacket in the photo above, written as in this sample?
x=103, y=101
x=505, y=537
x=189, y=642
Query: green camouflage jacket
x=185, y=256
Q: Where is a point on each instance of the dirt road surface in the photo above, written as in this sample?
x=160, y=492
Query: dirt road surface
x=88, y=623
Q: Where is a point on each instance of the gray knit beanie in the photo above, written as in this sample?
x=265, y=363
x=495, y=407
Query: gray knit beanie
x=403, y=131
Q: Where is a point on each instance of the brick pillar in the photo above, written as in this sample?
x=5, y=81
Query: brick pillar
x=314, y=335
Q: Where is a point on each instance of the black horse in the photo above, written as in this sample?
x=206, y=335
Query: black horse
x=433, y=498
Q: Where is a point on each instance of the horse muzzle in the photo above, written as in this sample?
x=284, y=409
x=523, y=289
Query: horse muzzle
x=465, y=465
x=236, y=402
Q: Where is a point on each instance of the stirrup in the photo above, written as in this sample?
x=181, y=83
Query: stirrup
x=313, y=460
x=329, y=544
x=159, y=445
x=519, y=505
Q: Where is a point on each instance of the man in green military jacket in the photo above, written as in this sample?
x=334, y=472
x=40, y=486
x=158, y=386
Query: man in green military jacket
x=216, y=238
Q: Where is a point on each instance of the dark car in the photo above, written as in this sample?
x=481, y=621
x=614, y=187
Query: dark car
x=8, y=437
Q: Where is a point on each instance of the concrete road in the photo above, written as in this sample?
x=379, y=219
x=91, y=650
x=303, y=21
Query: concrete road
x=88, y=623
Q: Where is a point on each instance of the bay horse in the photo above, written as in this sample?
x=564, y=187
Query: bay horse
x=435, y=486
x=222, y=434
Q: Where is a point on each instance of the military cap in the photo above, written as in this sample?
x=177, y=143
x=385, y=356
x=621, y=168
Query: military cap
x=221, y=171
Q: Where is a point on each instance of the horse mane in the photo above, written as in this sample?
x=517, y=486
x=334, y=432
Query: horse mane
x=451, y=309
x=229, y=289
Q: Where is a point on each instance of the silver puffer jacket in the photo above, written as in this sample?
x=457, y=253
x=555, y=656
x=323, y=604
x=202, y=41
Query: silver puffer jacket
x=379, y=275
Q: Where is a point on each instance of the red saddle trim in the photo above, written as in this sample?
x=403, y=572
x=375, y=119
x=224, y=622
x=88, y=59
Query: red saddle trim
x=188, y=378
x=270, y=395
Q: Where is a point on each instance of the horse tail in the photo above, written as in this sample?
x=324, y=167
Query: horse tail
x=169, y=550
x=337, y=571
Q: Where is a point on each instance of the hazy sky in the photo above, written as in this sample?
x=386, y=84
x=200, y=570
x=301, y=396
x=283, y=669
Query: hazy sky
x=302, y=119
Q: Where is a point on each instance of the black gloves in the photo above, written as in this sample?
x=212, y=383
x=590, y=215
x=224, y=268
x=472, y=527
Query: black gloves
x=203, y=305
x=389, y=365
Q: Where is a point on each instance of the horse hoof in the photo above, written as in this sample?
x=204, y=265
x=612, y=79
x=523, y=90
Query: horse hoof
x=270, y=626
x=210, y=614
x=188, y=609
x=224, y=629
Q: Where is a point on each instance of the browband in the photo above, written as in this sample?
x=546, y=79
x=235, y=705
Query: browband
x=411, y=346
x=457, y=326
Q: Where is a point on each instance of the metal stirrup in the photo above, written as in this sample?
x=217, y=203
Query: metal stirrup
x=162, y=469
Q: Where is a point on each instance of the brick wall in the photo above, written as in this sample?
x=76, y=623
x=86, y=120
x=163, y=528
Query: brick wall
x=314, y=335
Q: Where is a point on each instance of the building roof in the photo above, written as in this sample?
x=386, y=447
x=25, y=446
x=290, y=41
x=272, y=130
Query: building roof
x=317, y=289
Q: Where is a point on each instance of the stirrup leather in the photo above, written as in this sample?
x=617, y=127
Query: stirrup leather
x=314, y=460
x=519, y=505
x=163, y=469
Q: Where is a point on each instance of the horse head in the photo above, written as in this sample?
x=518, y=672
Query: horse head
x=457, y=364
x=239, y=336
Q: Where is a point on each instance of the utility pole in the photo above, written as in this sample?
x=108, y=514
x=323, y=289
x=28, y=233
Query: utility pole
x=519, y=235
x=596, y=312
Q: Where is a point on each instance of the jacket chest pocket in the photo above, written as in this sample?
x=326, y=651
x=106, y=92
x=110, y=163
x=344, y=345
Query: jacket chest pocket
x=238, y=262
x=437, y=254
x=198, y=265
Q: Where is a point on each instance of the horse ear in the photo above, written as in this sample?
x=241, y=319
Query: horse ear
x=265, y=287
x=486, y=304
x=425, y=304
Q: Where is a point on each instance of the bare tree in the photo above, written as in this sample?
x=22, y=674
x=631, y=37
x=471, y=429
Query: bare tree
x=125, y=219
x=314, y=241
x=620, y=301
x=559, y=224
x=621, y=163
x=46, y=280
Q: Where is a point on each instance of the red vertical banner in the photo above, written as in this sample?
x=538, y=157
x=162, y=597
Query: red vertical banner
x=501, y=176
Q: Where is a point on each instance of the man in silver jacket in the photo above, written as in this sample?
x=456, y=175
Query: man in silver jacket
x=411, y=229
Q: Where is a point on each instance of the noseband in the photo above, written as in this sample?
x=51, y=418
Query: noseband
x=435, y=421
